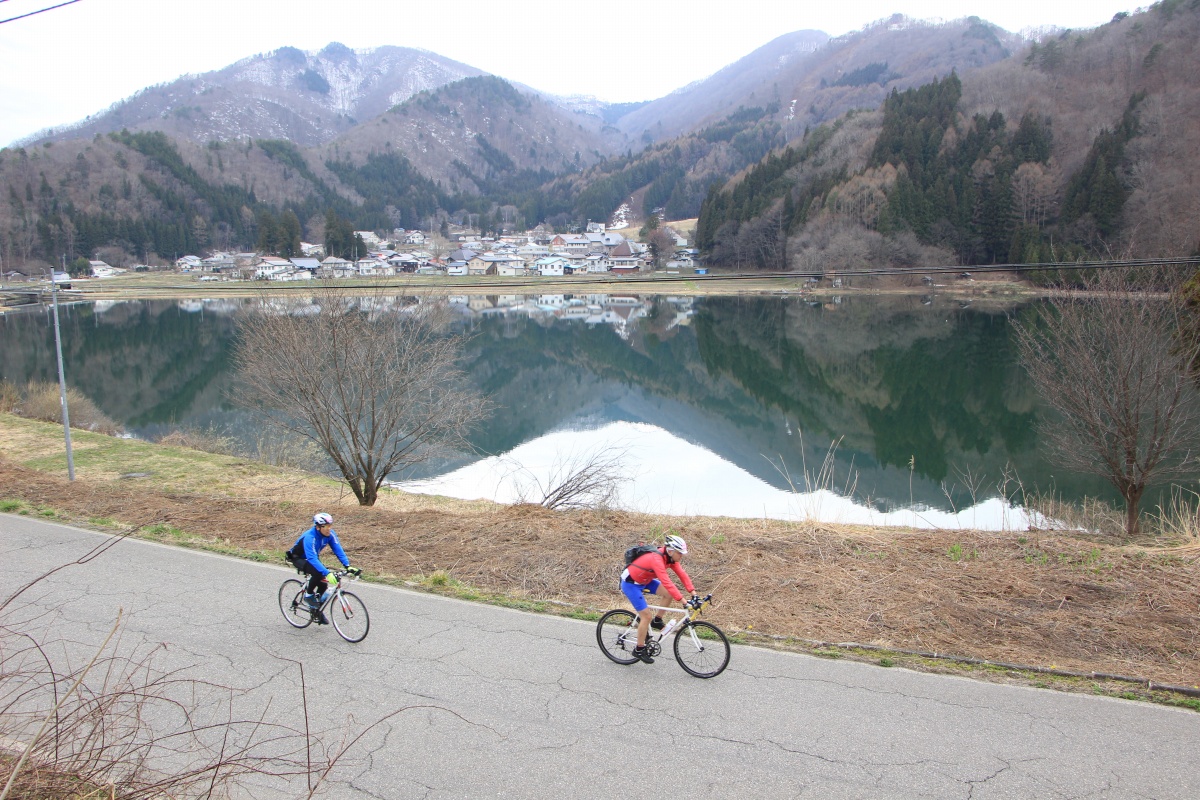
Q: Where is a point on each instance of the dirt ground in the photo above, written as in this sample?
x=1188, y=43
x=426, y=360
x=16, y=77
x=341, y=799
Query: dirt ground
x=1033, y=598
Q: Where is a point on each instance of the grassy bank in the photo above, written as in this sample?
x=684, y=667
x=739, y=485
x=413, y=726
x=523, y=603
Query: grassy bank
x=1024, y=606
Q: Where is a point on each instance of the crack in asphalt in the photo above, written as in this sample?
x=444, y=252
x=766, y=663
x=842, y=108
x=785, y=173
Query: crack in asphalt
x=971, y=784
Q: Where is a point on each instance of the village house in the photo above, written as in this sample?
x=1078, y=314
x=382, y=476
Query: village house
x=532, y=252
x=373, y=268
x=511, y=267
x=551, y=266
x=218, y=263
x=270, y=268
x=309, y=265
x=404, y=262
x=481, y=265
x=680, y=239
x=334, y=267
x=567, y=242
x=188, y=263
x=369, y=239
x=101, y=269
x=596, y=263
x=456, y=269
x=623, y=261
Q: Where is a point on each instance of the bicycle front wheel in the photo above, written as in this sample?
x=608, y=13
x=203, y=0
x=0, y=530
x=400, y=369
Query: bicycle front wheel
x=349, y=617
x=616, y=632
x=291, y=603
x=702, y=650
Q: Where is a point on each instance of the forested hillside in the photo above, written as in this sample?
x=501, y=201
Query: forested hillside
x=480, y=146
x=812, y=79
x=1076, y=147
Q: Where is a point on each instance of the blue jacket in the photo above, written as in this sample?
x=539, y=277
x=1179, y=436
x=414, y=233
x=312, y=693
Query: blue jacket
x=314, y=543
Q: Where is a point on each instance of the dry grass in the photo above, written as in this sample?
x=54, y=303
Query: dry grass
x=43, y=401
x=40, y=783
x=9, y=397
x=1043, y=599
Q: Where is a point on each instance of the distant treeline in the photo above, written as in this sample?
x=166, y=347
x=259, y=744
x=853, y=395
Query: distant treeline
x=981, y=192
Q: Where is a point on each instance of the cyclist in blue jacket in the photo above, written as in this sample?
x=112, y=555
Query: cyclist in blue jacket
x=305, y=555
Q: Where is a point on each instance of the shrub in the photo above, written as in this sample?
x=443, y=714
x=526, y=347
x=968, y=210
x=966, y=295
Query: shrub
x=206, y=440
x=42, y=401
x=9, y=397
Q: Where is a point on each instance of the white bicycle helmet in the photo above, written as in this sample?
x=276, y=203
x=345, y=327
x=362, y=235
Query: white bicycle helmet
x=677, y=544
x=322, y=518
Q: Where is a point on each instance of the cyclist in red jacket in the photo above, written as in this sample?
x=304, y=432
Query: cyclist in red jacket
x=647, y=574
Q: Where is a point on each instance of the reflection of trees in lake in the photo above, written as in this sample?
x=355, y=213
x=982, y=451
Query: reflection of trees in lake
x=899, y=380
x=896, y=378
x=141, y=362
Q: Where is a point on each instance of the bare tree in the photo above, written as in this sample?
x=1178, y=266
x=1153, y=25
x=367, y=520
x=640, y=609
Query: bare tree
x=662, y=246
x=1110, y=362
x=589, y=479
x=373, y=381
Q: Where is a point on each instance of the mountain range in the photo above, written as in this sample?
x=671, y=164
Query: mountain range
x=402, y=137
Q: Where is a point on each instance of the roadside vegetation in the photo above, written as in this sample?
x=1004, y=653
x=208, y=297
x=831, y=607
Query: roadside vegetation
x=1060, y=601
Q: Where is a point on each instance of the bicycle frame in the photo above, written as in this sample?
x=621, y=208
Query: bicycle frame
x=336, y=591
x=688, y=614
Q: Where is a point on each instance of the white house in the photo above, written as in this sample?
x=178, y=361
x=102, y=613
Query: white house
x=373, y=268
x=102, y=270
x=596, y=263
x=551, y=266
x=271, y=268
x=185, y=264
x=457, y=269
x=511, y=268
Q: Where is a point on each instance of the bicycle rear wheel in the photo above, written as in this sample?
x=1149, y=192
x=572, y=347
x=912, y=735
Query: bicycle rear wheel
x=291, y=603
x=702, y=650
x=349, y=617
x=616, y=633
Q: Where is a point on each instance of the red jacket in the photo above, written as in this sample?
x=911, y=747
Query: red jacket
x=649, y=566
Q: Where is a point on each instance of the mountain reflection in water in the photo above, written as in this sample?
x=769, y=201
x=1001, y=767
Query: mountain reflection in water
x=916, y=403
x=663, y=474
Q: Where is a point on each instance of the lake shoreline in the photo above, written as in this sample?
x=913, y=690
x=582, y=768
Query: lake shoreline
x=169, y=285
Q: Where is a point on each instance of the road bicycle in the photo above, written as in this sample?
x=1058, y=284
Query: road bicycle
x=344, y=609
x=700, y=647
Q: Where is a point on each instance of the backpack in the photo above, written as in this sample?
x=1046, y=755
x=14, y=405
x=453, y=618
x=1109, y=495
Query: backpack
x=637, y=550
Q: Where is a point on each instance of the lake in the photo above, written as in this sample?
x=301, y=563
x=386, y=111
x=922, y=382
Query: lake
x=886, y=410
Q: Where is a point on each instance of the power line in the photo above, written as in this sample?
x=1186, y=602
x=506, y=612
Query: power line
x=39, y=11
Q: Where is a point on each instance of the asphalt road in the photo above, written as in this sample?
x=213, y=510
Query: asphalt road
x=513, y=705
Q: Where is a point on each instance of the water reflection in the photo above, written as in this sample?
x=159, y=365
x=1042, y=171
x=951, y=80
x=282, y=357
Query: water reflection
x=922, y=402
x=665, y=474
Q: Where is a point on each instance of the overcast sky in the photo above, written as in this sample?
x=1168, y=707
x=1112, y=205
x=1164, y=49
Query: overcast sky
x=62, y=65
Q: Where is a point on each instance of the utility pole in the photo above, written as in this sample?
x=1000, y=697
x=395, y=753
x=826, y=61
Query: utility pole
x=62, y=382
